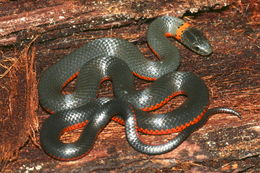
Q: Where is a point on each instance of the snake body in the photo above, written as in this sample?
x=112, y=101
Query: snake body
x=116, y=59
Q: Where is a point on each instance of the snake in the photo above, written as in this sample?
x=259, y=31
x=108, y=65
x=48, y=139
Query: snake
x=118, y=60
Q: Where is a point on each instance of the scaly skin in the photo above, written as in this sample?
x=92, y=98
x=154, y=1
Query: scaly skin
x=116, y=59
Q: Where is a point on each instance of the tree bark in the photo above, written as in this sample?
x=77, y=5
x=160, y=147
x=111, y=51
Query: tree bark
x=36, y=34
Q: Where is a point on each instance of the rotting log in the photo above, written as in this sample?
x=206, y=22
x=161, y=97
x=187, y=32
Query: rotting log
x=34, y=35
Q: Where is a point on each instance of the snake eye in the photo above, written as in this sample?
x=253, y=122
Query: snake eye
x=196, y=48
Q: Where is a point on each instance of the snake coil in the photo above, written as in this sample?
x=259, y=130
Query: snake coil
x=116, y=60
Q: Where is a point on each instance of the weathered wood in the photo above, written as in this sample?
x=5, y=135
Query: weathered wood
x=51, y=29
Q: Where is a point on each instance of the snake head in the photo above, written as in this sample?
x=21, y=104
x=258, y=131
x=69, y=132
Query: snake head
x=196, y=41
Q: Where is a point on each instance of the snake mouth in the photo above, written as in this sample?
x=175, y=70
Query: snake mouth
x=204, y=50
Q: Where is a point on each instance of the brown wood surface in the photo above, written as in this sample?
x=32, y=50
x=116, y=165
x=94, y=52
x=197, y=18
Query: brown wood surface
x=35, y=34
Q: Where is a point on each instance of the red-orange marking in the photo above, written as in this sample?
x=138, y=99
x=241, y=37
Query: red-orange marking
x=144, y=77
x=118, y=120
x=154, y=52
x=166, y=131
x=75, y=126
x=48, y=110
x=104, y=79
x=168, y=34
x=176, y=129
x=180, y=30
x=163, y=102
x=72, y=77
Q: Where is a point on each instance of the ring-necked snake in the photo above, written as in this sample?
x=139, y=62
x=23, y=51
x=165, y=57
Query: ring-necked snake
x=116, y=60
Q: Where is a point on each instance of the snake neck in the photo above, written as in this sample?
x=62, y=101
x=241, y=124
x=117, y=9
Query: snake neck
x=159, y=44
